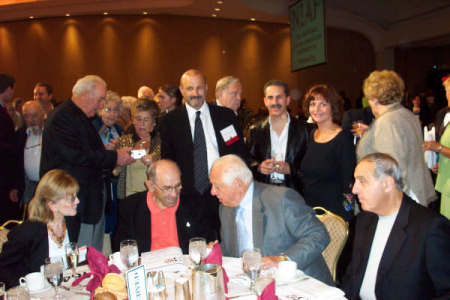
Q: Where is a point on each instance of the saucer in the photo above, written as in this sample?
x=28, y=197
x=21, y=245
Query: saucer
x=298, y=276
x=47, y=287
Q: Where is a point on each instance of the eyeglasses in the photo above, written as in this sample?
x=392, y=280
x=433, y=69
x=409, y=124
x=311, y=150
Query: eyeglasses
x=167, y=189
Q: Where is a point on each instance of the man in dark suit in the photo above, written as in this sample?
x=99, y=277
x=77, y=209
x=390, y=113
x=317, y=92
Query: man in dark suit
x=271, y=218
x=9, y=208
x=29, y=146
x=154, y=219
x=400, y=248
x=71, y=143
x=194, y=135
x=278, y=143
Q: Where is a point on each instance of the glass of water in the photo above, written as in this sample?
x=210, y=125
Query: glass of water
x=197, y=249
x=129, y=253
x=72, y=257
x=251, y=261
x=53, y=270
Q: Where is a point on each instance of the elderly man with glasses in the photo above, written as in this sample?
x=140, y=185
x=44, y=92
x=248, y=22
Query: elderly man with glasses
x=154, y=219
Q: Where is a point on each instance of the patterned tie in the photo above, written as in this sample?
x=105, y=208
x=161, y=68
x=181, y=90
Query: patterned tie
x=242, y=234
x=201, y=180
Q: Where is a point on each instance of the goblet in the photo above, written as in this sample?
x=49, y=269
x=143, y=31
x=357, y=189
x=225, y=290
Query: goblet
x=251, y=260
x=53, y=269
x=197, y=250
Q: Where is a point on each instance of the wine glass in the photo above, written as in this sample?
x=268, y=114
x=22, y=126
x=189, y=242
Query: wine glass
x=129, y=253
x=53, y=270
x=72, y=257
x=197, y=250
x=251, y=260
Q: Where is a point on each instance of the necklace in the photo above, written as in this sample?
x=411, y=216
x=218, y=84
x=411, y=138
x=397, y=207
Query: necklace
x=59, y=240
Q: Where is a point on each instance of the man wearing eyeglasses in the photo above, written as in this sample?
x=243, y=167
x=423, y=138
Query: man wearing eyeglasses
x=154, y=219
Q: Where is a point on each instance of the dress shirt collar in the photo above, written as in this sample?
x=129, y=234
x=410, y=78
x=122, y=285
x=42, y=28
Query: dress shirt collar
x=192, y=111
x=29, y=131
x=287, y=123
x=247, y=201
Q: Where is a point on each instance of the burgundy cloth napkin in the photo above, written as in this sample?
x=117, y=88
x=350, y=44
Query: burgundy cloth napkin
x=98, y=264
x=268, y=292
x=215, y=257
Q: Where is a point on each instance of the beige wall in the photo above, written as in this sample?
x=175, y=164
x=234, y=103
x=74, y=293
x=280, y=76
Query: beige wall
x=129, y=51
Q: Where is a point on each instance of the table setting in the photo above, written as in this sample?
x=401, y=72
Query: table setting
x=167, y=274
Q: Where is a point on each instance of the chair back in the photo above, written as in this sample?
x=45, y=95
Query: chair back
x=338, y=231
x=4, y=230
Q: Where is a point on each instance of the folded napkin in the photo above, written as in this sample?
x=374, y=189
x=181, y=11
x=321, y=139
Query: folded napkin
x=269, y=292
x=98, y=264
x=215, y=257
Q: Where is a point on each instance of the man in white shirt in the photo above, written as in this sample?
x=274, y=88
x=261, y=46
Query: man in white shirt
x=274, y=219
x=29, y=145
x=278, y=143
x=194, y=135
x=43, y=93
x=400, y=248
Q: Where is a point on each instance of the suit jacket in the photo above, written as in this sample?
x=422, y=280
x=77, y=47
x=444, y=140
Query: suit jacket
x=24, y=252
x=20, y=141
x=359, y=114
x=177, y=145
x=71, y=143
x=282, y=223
x=138, y=223
x=7, y=165
x=260, y=149
x=414, y=264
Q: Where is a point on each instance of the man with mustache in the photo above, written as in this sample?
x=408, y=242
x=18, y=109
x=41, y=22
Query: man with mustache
x=278, y=143
x=194, y=135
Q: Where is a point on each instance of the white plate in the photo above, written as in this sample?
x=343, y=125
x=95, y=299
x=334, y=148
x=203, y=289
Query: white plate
x=298, y=276
x=47, y=287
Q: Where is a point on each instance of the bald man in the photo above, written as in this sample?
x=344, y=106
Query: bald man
x=194, y=135
x=29, y=145
x=154, y=219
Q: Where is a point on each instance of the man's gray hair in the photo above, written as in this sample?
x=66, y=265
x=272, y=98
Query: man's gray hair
x=87, y=84
x=224, y=82
x=233, y=167
x=385, y=165
x=151, y=169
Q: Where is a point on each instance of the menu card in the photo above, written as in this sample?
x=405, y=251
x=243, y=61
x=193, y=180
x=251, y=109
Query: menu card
x=167, y=259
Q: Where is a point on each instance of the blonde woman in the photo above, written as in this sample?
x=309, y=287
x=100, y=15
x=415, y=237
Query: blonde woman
x=45, y=233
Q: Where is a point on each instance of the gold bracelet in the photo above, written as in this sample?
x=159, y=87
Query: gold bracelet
x=440, y=148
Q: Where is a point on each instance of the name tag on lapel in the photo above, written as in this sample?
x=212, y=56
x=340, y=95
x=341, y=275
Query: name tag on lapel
x=229, y=135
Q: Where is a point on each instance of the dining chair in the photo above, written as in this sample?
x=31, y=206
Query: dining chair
x=337, y=228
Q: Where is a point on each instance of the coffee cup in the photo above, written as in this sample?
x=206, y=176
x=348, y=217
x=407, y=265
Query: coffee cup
x=115, y=259
x=286, y=270
x=33, y=281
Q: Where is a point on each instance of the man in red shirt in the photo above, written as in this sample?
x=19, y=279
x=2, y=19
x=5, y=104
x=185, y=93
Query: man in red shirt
x=155, y=220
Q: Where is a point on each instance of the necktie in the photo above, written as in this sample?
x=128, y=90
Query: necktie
x=242, y=234
x=201, y=180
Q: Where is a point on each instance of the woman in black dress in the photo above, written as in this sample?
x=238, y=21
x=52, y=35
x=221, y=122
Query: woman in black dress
x=329, y=161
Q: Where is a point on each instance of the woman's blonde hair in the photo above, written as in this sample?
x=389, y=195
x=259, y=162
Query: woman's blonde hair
x=446, y=83
x=385, y=86
x=54, y=186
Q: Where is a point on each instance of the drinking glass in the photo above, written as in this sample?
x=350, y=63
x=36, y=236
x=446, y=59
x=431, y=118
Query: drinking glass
x=53, y=270
x=72, y=257
x=129, y=253
x=278, y=156
x=197, y=250
x=251, y=260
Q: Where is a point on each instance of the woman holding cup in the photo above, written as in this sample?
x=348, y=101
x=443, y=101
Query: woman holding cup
x=45, y=233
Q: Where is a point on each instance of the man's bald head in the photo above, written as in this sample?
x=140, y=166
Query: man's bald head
x=164, y=182
x=33, y=114
x=194, y=88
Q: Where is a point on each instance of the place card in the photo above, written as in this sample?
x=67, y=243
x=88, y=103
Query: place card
x=136, y=283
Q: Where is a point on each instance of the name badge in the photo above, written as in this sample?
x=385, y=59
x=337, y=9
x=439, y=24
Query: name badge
x=229, y=135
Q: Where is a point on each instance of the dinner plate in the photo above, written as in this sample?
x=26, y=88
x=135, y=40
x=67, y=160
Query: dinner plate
x=47, y=287
x=298, y=276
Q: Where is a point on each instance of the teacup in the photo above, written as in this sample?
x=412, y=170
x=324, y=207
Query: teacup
x=117, y=260
x=33, y=281
x=286, y=270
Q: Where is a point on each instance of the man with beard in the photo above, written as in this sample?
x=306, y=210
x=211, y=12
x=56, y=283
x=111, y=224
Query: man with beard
x=194, y=135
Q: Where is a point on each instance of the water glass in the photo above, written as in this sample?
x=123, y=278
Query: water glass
x=129, y=253
x=251, y=260
x=72, y=257
x=53, y=269
x=197, y=249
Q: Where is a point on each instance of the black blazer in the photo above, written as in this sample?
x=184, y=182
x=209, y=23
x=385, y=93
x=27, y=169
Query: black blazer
x=7, y=150
x=137, y=225
x=259, y=145
x=24, y=252
x=20, y=141
x=415, y=263
x=71, y=143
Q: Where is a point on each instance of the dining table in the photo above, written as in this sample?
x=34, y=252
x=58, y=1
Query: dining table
x=299, y=287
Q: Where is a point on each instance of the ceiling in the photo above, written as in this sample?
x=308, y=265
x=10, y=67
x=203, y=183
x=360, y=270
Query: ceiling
x=383, y=14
